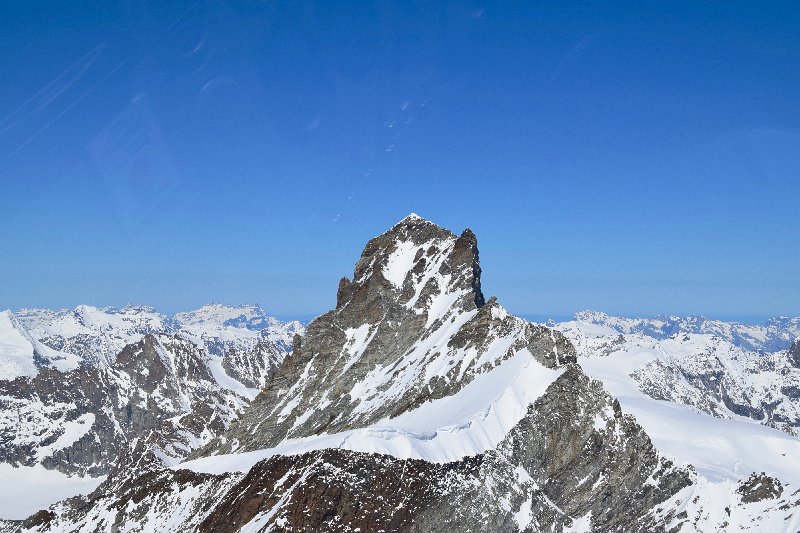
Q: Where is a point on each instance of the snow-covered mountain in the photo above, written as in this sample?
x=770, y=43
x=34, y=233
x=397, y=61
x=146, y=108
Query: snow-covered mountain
x=417, y=405
x=229, y=323
x=776, y=334
x=79, y=387
x=94, y=335
x=706, y=371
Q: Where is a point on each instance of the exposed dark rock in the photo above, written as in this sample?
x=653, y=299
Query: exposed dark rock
x=759, y=487
x=794, y=354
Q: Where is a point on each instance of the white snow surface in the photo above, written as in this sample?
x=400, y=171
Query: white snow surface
x=400, y=262
x=722, y=450
x=25, y=490
x=473, y=420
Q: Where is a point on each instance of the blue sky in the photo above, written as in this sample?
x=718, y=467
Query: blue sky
x=638, y=158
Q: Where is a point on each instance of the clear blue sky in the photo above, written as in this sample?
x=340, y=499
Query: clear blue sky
x=638, y=158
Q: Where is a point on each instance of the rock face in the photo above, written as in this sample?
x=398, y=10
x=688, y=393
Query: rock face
x=794, y=354
x=86, y=383
x=417, y=405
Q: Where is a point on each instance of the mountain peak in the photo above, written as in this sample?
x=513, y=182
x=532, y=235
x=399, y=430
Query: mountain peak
x=411, y=327
x=412, y=217
x=420, y=266
x=590, y=315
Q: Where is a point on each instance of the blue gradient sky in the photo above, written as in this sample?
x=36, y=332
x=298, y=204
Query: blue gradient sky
x=638, y=158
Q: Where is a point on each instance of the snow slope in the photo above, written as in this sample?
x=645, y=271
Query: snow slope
x=471, y=421
x=16, y=351
x=26, y=489
x=721, y=449
x=21, y=354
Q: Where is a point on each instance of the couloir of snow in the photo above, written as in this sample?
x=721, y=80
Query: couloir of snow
x=226, y=381
x=471, y=421
x=25, y=490
x=722, y=450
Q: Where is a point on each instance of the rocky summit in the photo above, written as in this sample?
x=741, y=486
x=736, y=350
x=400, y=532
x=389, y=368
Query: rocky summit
x=419, y=405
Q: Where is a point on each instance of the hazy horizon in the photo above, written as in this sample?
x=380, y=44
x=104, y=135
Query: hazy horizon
x=533, y=317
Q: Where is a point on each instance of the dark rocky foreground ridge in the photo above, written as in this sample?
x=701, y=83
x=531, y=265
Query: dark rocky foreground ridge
x=417, y=405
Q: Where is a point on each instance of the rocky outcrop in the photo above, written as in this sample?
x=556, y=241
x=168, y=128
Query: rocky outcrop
x=759, y=487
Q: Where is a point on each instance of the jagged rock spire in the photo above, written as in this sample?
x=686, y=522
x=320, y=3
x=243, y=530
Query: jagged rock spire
x=409, y=264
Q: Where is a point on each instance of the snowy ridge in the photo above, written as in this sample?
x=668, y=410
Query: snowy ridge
x=94, y=336
x=471, y=421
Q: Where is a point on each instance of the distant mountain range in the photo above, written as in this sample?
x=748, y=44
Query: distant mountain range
x=416, y=404
x=777, y=333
